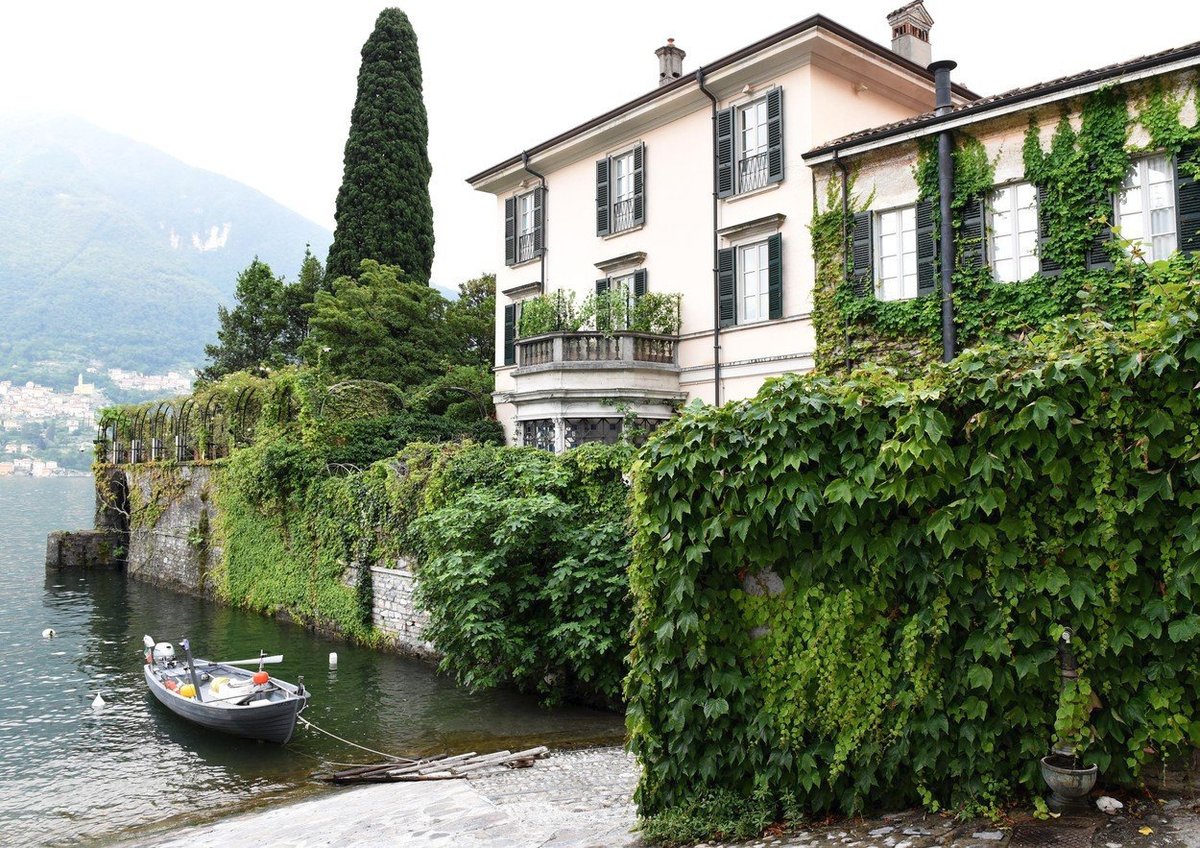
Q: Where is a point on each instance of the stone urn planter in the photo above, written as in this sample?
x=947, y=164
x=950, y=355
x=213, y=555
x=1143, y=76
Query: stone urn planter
x=1069, y=786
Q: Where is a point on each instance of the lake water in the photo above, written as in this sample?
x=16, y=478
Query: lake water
x=70, y=774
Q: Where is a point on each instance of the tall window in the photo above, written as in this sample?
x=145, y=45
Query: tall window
x=1014, y=232
x=896, y=276
x=753, y=283
x=525, y=227
x=752, y=138
x=1146, y=207
x=623, y=191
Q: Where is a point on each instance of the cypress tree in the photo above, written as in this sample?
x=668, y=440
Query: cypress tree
x=383, y=207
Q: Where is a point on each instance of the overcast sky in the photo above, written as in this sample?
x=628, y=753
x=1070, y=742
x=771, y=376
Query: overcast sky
x=261, y=90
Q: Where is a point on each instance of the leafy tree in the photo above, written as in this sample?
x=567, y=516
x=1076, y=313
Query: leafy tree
x=296, y=301
x=384, y=326
x=472, y=321
x=248, y=338
x=383, y=207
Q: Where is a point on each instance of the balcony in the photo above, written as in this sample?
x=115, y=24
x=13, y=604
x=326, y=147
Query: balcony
x=570, y=350
x=622, y=215
x=753, y=172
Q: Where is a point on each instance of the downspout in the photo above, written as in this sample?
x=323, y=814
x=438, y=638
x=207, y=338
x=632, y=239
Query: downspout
x=846, y=247
x=943, y=103
x=715, y=248
x=542, y=262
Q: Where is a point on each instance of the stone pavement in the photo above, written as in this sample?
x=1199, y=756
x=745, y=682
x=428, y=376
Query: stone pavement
x=583, y=799
x=575, y=799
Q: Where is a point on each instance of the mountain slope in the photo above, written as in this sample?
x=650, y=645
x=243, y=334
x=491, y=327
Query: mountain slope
x=114, y=251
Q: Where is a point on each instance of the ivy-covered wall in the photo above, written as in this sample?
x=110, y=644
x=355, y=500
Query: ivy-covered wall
x=1078, y=154
x=867, y=612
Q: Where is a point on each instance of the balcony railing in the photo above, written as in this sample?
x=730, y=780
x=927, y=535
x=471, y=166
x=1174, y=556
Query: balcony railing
x=622, y=215
x=631, y=348
x=752, y=172
x=525, y=247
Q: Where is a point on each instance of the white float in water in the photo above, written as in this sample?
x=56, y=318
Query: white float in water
x=99, y=703
x=48, y=633
x=333, y=659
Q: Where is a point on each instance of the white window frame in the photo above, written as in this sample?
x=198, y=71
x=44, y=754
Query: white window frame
x=525, y=216
x=1004, y=222
x=622, y=192
x=1139, y=175
x=896, y=287
x=751, y=175
x=762, y=281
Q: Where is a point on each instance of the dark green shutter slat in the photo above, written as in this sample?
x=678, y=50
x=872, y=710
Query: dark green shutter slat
x=775, y=276
x=639, y=282
x=539, y=221
x=603, y=205
x=602, y=285
x=724, y=151
x=974, y=245
x=726, y=287
x=510, y=334
x=774, y=135
x=639, y=184
x=859, y=266
x=510, y=231
x=1097, y=254
x=1048, y=267
x=1188, y=201
x=926, y=250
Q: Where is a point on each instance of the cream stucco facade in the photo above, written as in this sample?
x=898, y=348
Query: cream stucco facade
x=832, y=83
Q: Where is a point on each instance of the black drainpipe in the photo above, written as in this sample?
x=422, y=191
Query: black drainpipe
x=847, y=248
x=542, y=263
x=715, y=249
x=943, y=103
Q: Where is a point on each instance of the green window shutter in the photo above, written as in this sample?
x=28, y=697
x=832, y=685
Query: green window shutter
x=974, y=241
x=775, y=276
x=510, y=334
x=726, y=287
x=927, y=248
x=775, y=135
x=539, y=221
x=602, y=285
x=1188, y=201
x=1097, y=254
x=510, y=231
x=724, y=153
x=861, y=252
x=1048, y=267
x=639, y=184
x=639, y=282
x=603, y=205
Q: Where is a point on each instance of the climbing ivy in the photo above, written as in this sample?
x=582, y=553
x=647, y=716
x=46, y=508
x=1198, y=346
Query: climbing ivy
x=1078, y=172
x=867, y=612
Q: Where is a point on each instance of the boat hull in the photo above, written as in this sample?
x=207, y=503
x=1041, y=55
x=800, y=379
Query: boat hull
x=272, y=721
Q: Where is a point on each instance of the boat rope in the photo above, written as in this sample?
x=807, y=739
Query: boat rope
x=309, y=724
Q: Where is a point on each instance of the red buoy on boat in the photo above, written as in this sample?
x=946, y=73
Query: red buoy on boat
x=260, y=677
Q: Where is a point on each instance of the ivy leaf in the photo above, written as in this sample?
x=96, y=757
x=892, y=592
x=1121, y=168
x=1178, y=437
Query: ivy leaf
x=1184, y=629
x=980, y=677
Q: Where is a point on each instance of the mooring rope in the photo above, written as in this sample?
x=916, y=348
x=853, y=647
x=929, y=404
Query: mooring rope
x=308, y=723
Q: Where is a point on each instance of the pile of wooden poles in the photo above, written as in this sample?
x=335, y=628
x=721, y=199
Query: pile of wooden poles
x=436, y=768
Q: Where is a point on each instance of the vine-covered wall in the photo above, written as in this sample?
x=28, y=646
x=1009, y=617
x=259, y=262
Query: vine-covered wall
x=867, y=612
x=1078, y=155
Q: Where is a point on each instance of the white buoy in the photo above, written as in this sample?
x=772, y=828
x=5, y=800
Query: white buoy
x=333, y=659
x=48, y=633
x=99, y=703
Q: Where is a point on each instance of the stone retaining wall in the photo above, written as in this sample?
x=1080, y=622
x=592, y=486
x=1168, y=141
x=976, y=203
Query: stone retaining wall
x=85, y=549
x=395, y=613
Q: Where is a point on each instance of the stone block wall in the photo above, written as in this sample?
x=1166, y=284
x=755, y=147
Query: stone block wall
x=85, y=549
x=174, y=550
x=395, y=613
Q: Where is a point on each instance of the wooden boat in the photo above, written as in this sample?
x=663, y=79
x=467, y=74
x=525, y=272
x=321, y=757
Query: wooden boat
x=222, y=696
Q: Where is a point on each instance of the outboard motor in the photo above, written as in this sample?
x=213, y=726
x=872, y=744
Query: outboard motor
x=160, y=653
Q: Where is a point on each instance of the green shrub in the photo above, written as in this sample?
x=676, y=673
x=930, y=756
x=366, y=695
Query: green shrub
x=848, y=591
x=523, y=571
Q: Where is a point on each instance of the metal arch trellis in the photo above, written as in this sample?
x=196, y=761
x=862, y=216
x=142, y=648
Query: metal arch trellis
x=160, y=430
x=246, y=410
x=185, y=449
x=138, y=431
x=215, y=428
x=289, y=408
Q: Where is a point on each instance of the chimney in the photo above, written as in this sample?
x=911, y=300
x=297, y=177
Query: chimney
x=943, y=99
x=910, y=32
x=670, y=62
